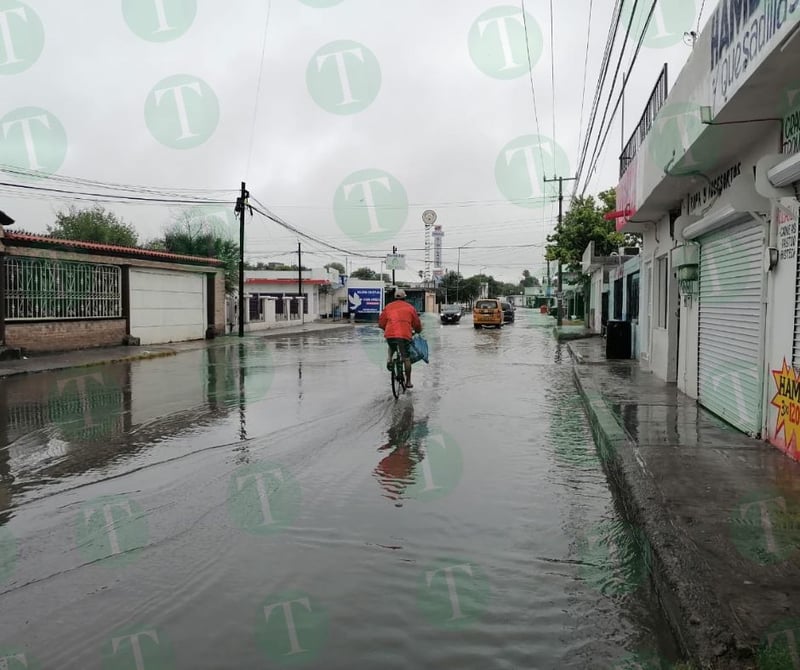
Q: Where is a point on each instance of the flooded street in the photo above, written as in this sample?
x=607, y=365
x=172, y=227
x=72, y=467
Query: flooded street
x=268, y=503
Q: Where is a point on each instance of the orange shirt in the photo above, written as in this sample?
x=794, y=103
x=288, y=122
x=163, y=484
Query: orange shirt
x=399, y=319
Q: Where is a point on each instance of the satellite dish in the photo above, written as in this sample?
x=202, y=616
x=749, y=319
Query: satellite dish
x=429, y=217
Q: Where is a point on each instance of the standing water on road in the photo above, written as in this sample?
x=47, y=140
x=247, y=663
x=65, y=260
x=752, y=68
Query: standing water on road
x=267, y=503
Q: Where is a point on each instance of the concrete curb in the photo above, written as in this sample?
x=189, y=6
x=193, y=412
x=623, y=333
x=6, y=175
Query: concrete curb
x=179, y=348
x=704, y=629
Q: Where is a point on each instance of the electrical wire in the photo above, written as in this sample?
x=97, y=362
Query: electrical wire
x=585, y=71
x=610, y=40
x=116, y=198
x=530, y=76
x=619, y=98
x=593, y=160
x=258, y=89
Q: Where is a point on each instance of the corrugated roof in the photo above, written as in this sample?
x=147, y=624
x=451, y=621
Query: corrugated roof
x=107, y=248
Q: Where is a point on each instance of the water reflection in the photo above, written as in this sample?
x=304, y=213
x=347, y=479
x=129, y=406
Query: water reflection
x=65, y=424
x=397, y=469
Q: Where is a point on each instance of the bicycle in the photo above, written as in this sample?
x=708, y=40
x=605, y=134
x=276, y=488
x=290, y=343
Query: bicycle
x=397, y=374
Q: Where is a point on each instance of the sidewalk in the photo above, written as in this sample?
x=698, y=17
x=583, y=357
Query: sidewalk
x=105, y=355
x=719, y=509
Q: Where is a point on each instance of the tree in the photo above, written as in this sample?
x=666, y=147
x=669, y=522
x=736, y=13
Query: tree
x=93, y=224
x=336, y=266
x=190, y=235
x=528, y=280
x=582, y=224
x=366, y=274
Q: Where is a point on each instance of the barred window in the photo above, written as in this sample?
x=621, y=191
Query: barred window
x=42, y=288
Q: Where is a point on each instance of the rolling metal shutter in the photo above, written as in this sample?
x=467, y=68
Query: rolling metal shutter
x=730, y=325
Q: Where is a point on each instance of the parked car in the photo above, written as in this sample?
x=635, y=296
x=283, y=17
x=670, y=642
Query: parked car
x=451, y=314
x=487, y=312
x=508, y=312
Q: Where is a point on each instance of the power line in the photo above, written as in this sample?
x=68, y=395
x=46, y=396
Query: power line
x=585, y=71
x=258, y=87
x=611, y=90
x=553, y=81
x=122, y=198
x=619, y=98
x=611, y=39
x=530, y=76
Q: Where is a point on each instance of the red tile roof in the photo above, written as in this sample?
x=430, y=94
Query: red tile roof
x=107, y=248
x=263, y=280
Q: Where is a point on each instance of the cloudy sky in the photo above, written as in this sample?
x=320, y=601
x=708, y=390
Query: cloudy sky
x=358, y=117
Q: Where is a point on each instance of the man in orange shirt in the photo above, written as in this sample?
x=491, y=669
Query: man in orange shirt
x=399, y=321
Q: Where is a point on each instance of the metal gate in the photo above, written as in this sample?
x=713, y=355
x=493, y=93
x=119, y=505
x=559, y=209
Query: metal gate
x=731, y=324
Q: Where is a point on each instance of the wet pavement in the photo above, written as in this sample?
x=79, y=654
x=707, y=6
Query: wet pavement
x=720, y=510
x=268, y=504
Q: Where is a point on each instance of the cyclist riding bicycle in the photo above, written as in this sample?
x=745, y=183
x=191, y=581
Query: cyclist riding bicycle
x=399, y=321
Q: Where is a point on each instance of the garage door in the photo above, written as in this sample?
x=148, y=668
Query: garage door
x=167, y=306
x=729, y=352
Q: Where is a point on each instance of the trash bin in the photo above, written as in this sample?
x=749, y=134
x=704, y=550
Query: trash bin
x=543, y=309
x=618, y=339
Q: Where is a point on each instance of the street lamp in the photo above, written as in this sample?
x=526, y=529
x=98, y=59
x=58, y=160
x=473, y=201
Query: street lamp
x=458, y=267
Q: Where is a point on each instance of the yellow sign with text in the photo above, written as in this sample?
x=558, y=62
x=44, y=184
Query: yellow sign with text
x=787, y=400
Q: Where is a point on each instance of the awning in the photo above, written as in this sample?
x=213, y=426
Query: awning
x=777, y=175
x=737, y=202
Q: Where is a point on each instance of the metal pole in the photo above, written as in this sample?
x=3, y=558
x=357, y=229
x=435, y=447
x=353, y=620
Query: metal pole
x=240, y=205
x=300, y=284
x=394, y=253
x=560, y=299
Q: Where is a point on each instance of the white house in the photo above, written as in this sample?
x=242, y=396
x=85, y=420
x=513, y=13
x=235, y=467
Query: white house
x=709, y=178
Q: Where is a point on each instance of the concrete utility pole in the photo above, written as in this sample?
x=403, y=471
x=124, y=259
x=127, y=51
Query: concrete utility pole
x=241, y=203
x=560, y=296
x=300, y=284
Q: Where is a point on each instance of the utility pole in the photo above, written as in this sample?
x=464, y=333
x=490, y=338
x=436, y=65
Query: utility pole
x=394, y=253
x=300, y=284
x=560, y=181
x=241, y=203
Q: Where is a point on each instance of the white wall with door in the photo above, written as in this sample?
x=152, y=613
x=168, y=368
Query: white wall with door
x=167, y=306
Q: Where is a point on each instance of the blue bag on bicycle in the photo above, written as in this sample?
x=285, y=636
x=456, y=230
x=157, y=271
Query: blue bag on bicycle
x=418, y=350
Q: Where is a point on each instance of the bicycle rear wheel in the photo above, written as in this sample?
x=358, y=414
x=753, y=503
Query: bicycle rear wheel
x=398, y=378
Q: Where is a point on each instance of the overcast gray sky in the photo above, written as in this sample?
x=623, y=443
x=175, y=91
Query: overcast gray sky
x=356, y=103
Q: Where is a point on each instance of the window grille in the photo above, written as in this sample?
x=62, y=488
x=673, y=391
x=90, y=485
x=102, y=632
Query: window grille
x=46, y=289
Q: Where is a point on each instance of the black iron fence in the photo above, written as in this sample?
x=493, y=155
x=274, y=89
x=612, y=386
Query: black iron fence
x=654, y=103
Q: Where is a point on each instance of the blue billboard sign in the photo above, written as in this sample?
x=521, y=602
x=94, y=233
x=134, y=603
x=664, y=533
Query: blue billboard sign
x=365, y=300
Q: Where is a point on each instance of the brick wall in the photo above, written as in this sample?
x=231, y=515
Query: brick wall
x=65, y=335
